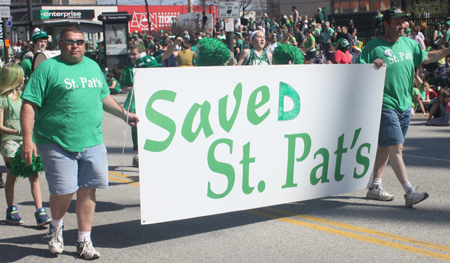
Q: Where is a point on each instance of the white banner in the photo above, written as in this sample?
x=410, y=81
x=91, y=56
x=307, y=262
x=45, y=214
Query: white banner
x=221, y=139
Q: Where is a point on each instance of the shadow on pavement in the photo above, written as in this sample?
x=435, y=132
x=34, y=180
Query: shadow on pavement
x=17, y=251
x=339, y=206
x=99, y=208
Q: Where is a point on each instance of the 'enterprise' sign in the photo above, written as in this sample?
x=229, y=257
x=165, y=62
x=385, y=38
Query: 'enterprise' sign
x=64, y=14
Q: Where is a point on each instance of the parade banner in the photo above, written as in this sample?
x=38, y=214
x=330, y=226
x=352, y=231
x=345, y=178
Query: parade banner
x=219, y=139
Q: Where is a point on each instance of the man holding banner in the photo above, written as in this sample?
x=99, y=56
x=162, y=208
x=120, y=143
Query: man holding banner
x=66, y=96
x=402, y=55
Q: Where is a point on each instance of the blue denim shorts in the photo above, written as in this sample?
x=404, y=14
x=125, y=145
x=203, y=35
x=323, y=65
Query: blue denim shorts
x=393, y=127
x=67, y=171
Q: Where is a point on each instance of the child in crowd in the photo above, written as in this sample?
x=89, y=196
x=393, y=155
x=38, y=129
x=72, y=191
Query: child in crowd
x=11, y=81
x=445, y=119
x=113, y=84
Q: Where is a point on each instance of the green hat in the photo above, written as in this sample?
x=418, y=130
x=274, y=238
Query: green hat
x=186, y=37
x=343, y=42
x=393, y=13
x=136, y=35
x=324, y=9
x=146, y=35
x=39, y=34
x=447, y=23
x=147, y=62
x=162, y=31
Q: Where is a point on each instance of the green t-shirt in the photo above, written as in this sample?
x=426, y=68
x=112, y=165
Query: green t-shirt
x=414, y=103
x=11, y=116
x=447, y=37
x=308, y=43
x=26, y=66
x=69, y=99
x=145, y=62
x=127, y=76
x=117, y=86
x=240, y=45
x=401, y=58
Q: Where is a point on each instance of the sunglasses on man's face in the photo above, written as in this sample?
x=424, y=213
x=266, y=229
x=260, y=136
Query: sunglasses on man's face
x=70, y=42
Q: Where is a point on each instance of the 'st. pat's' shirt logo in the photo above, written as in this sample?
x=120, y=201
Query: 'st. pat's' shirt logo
x=388, y=53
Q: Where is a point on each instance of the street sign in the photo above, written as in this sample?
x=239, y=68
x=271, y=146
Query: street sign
x=229, y=25
x=5, y=2
x=229, y=9
x=9, y=22
x=4, y=12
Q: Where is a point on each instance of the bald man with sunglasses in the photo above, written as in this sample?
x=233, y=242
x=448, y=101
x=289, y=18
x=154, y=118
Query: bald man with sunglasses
x=63, y=106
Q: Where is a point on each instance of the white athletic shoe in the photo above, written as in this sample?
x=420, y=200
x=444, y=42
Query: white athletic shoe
x=378, y=193
x=415, y=197
x=55, y=240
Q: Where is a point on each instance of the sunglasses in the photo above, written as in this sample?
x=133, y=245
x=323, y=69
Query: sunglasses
x=70, y=42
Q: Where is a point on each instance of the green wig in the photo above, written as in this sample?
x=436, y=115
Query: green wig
x=284, y=53
x=212, y=52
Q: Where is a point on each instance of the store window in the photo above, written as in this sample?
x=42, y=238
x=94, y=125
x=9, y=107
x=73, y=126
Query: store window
x=336, y=8
x=364, y=6
x=385, y=4
x=354, y=6
x=345, y=7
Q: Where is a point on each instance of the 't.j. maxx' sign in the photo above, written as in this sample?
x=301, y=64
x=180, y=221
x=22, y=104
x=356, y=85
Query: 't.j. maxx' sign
x=64, y=14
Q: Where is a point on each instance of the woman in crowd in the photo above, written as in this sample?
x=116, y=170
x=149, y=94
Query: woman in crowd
x=256, y=56
x=310, y=46
x=186, y=56
x=342, y=55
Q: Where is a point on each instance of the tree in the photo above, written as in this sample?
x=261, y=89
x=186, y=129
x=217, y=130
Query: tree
x=427, y=7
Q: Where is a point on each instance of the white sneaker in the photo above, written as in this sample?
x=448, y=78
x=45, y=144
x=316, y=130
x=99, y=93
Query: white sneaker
x=415, y=197
x=55, y=240
x=378, y=193
x=87, y=250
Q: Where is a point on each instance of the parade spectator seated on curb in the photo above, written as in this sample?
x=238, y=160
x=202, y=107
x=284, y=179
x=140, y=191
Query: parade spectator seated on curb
x=445, y=119
x=442, y=74
x=437, y=106
x=113, y=84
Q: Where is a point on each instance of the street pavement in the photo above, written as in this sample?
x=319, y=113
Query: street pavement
x=344, y=228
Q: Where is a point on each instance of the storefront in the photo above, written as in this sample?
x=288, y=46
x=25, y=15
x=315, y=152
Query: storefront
x=52, y=19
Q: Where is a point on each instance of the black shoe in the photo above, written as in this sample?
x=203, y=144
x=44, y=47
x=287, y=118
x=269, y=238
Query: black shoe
x=2, y=184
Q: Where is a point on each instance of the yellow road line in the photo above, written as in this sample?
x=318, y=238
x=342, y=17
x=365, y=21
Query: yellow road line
x=354, y=236
x=120, y=180
x=363, y=230
x=123, y=175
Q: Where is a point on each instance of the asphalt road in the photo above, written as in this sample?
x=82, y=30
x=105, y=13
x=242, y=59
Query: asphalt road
x=344, y=228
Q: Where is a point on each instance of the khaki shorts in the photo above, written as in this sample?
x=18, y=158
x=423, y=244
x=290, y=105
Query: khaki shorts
x=9, y=148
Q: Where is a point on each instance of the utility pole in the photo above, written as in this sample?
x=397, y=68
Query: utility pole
x=30, y=16
x=190, y=6
x=148, y=16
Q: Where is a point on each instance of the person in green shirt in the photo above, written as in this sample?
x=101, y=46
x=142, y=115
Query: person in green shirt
x=139, y=58
x=239, y=42
x=324, y=13
x=256, y=55
x=319, y=16
x=40, y=40
x=62, y=108
x=401, y=56
x=446, y=41
x=11, y=81
x=113, y=84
